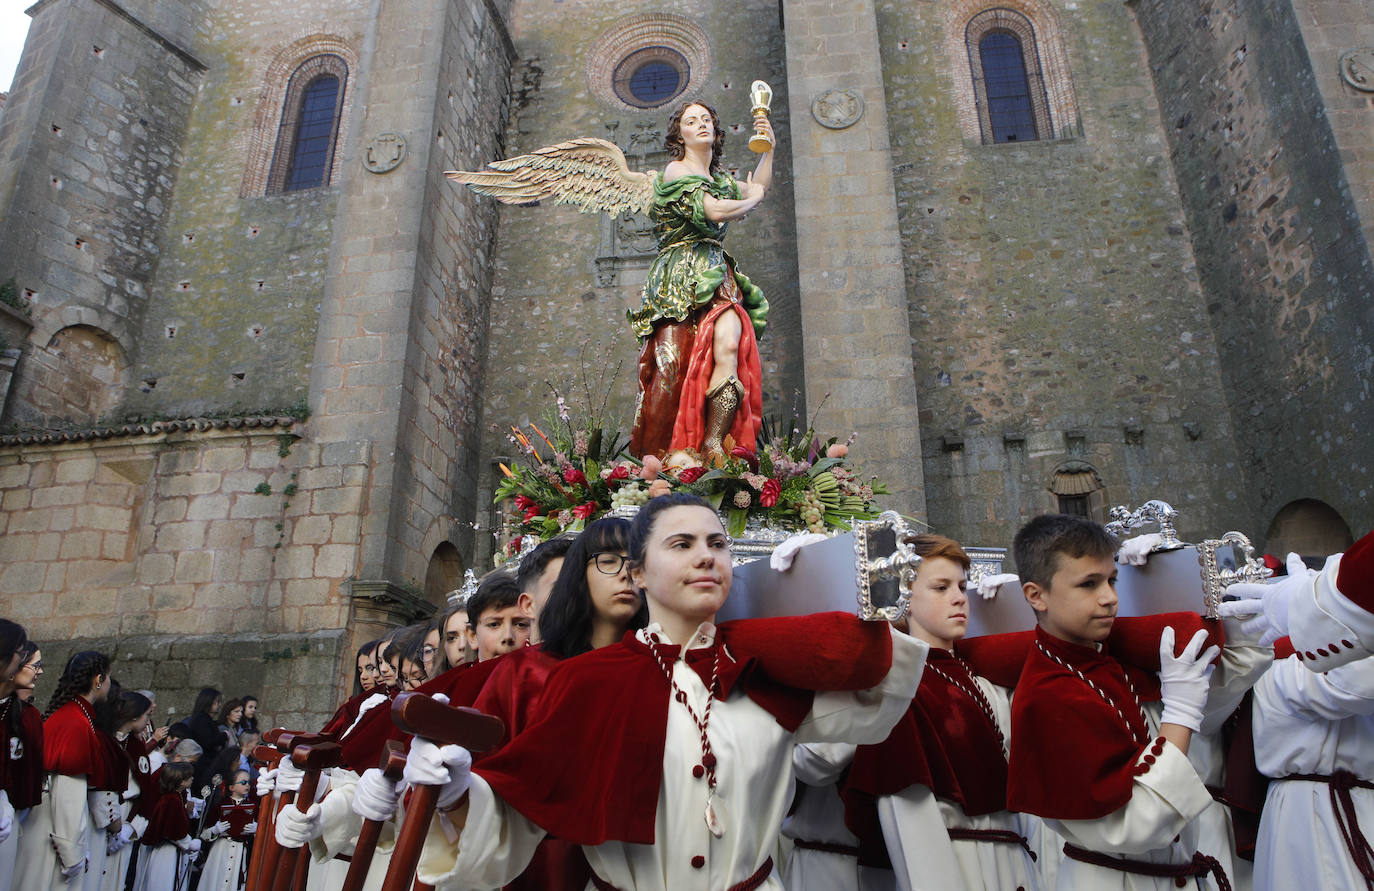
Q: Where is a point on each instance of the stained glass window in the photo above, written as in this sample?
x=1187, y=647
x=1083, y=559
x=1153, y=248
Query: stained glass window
x=1007, y=88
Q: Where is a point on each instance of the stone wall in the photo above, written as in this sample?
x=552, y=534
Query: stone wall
x=295, y=676
x=1278, y=236
x=1055, y=310
x=88, y=158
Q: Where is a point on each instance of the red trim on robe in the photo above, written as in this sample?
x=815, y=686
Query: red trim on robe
x=167, y=820
x=138, y=751
x=1355, y=578
x=71, y=746
x=620, y=696
x=22, y=776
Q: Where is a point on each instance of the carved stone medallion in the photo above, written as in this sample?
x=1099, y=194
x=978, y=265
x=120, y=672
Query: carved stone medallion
x=385, y=152
x=837, y=109
x=1357, y=68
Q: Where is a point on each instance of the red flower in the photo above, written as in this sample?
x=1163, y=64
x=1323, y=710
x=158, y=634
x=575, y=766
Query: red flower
x=689, y=475
x=749, y=457
x=621, y=472
x=768, y=495
x=574, y=477
x=585, y=511
x=515, y=544
x=531, y=513
x=523, y=502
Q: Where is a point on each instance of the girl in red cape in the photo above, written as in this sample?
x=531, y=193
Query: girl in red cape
x=667, y=756
x=57, y=835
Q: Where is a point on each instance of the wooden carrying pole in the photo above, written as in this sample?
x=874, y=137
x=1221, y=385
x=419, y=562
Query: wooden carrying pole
x=392, y=765
x=265, y=865
x=312, y=758
x=267, y=756
x=418, y=715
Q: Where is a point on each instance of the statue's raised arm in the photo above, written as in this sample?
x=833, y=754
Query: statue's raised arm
x=589, y=173
x=700, y=381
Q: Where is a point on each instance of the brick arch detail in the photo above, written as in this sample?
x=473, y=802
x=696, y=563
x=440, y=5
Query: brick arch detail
x=275, y=79
x=1049, y=46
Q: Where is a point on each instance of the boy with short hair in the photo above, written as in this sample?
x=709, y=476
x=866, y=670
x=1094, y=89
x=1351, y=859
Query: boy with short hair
x=538, y=571
x=496, y=624
x=1107, y=772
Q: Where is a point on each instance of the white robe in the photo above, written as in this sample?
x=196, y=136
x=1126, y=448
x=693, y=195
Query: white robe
x=1165, y=802
x=754, y=773
x=1327, y=628
x=160, y=867
x=340, y=834
x=1311, y=724
x=60, y=821
x=223, y=865
x=9, y=849
x=818, y=816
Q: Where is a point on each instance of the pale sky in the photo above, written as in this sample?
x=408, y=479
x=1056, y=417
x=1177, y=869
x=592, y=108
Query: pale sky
x=13, y=26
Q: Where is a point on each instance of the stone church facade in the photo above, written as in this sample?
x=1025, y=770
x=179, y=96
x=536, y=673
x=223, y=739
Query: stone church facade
x=261, y=356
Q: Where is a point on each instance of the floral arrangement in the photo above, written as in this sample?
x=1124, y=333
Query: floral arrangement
x=579, y=471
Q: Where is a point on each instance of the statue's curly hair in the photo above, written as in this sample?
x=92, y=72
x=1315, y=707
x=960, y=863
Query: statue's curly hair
x=674, y=145
x=82, y=668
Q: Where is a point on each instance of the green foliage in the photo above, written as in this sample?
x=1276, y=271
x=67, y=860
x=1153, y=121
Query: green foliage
x=262, y=489
x=9, y=295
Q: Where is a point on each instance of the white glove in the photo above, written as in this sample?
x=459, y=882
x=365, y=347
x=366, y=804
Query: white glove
x=250, y=828
x=120, y=840
x=289, y=776
x=220, y=828
x=783, y=555
x=1264, y=605
x=375, y=796
x=1183, y=679
x=449, y=767
x=267, y=781
x=6, y=816
x=988, y=584
x=71, y=872
x=1135, y=551
x=197, y=805
x=295, y=828
x=188, y=844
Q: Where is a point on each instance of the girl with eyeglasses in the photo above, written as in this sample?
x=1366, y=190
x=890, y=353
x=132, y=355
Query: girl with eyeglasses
x=673, y=746
x=230, y=836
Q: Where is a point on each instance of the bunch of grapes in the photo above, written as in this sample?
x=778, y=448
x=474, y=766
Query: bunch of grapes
x=812, y=512
x=629, y=496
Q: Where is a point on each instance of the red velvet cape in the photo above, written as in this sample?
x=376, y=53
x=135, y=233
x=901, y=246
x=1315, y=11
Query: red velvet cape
x=606, y=712
x=346, y=713
x=1071, y=755
x=167, y=820
x=1355, y=578
x=514, y=687
x=362, y=747
x=140, y=766
x=70, y=744
x=945, y=742
x=114, y=773
x=21, y=756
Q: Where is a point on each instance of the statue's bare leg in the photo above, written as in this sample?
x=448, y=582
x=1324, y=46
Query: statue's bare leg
x=725, y=391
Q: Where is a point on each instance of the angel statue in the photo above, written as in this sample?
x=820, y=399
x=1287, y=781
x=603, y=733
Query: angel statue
x=699, y=317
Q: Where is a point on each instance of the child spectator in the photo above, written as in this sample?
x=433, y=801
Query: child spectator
x=232, y=826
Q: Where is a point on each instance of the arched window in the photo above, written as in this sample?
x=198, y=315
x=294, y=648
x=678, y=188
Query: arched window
x=309, y=129
x=1077, y=489
x=1008, y=85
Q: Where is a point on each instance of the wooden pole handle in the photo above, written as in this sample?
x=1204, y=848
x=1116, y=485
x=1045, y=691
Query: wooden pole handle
x=406, y=856
x=312, y=758
x=393, y=762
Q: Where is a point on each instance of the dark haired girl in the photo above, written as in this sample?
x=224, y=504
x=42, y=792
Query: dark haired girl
x=54, y=848
x=717, y=710
x=21, y=755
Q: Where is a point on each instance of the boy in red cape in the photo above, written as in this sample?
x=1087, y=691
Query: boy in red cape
x=1111, y=778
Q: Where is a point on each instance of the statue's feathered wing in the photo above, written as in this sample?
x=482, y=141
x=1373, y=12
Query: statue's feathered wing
x=590, y=173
